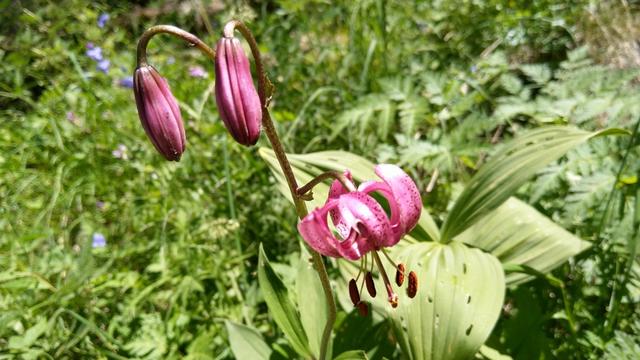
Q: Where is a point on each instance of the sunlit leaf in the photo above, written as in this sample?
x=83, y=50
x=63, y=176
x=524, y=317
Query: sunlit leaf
x=516, y=233
x=460, y=294
x=311, y=302
x=246, y=342
x=508, y=169
x=276, y=296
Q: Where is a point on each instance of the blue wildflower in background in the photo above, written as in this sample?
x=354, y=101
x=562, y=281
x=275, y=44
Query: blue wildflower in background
x=98, y=241
x=197, y=72
x=94, y=52
x=102, y=20
x=103, y=65
x=126, y=82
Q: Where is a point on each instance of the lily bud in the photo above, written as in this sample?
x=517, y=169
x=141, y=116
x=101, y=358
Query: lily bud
x=236, y=96
x=159, y=112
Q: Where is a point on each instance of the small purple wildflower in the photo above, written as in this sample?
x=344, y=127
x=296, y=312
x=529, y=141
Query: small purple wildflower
x=126, y=82
x=94, y=52
x=102, y=20
x=100, y=204
x=171, y=60
x=98, y=241
x=473, y=68
x=71, y=116
x=103, y=65
x=197, y=72
x=120, y=152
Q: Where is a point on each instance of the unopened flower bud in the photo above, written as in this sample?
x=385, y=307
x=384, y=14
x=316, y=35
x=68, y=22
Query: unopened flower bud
x=236, y=96
x=159, y=112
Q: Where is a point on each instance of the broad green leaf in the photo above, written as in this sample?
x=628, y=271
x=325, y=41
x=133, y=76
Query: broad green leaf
x=284, y=313
x=508, y=169
x=460, y=294
x=488, y=353
x=246, y=342
x=311, y=302
x=516, y=233
x=307, y=166
x=352, y=355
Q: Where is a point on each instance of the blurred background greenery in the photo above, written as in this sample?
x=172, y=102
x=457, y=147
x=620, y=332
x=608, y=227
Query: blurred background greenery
x=108, y=251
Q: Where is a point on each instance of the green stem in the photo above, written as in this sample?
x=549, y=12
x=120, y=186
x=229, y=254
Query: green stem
x=324, y=176
x=265, y=90
x=176, y=31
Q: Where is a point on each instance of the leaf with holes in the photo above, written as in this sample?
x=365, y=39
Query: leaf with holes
x=460, y=294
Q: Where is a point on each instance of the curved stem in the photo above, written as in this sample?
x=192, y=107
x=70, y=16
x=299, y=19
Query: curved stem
x=173, y=30
x=265, y=90
x=324, y=176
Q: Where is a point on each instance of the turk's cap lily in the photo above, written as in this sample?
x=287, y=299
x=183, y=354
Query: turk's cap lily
x=360, y=221
x=159, y=112
x=236, y=96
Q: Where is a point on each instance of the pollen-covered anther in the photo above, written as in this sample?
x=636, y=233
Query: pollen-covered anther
x=353, y=292
x=363, y=308
x=393, y=300
x=400, y=274
x=412, y=289
x=371, y=287
x=392, y=297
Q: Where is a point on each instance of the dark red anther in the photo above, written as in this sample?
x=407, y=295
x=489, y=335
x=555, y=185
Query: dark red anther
x=353, y=292
x=412, y=289
x=371, y=287
x=400, y=274
x=363, y=308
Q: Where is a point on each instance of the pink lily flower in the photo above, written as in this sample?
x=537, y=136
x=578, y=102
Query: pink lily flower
x=363, y=227
x=360, y=220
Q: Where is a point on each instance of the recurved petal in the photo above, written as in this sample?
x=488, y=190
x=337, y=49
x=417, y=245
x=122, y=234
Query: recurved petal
x=315, y=231
x=360, y=213
x=383, y=189
x=405, y=192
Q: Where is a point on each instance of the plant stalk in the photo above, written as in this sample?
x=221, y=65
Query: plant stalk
x=265, y=91
x=175, y=31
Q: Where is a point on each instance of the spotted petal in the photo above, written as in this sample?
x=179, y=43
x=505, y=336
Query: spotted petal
x=405, y=192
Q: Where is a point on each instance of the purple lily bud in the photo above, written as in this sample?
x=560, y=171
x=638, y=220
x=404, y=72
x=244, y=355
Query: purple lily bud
x=236, y=96
x=159, y=112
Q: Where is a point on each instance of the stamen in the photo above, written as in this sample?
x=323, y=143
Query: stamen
x=363, y=308
x=353, y=292
x=412, y=289
x=392, y=297
x=371, y=287
x=400, y=274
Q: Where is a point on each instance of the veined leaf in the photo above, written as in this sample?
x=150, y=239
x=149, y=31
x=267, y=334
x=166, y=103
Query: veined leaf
x=276, y=296
x=246, y=342
x=516, y=233
x=508, y=169
x=352, y=355
x=460, y=294
x=311, y=302
x=307, y=166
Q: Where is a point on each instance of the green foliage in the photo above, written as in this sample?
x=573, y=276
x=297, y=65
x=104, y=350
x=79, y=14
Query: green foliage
x=435, y=85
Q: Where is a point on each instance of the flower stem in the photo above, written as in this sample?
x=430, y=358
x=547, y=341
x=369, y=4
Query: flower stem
x=324, y=176
x=265, y=90
x=176, y=31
